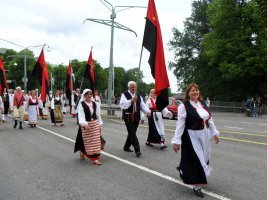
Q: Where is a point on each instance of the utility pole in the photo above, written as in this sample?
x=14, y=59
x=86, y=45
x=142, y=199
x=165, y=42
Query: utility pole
x=25, y=57
x=113, y=24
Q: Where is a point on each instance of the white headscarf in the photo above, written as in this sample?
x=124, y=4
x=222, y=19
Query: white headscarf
x=84, y=92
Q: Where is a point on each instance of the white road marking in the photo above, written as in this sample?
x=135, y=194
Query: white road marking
x=233, y=127
x=262, y=124
x=141, y=167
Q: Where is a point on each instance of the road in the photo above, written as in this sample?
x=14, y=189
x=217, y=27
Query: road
x=39, y=163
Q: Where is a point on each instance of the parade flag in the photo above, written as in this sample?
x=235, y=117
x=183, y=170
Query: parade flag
x=3, y=82
x=40, y=71
x=90, y=73
x=152, y=41
x=69, y=82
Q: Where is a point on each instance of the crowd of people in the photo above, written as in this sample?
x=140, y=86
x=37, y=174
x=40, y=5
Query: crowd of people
x=253, y=107
x=194, y=132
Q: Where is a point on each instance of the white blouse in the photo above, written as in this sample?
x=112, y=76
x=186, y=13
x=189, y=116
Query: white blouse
x=180, y=125
x=81, y=114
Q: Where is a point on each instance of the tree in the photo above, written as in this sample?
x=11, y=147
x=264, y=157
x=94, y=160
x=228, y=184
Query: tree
x=237, y=46
x=186, y=45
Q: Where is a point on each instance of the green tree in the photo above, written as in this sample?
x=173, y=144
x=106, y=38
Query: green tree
x=187, y=46
x=237, y=46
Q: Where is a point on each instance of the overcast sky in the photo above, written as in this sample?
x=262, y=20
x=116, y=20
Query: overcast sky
x=59, y=23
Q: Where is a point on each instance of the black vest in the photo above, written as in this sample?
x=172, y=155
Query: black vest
x=87, y=112
x=193, y=120
x=57, y=102
x=130, y=109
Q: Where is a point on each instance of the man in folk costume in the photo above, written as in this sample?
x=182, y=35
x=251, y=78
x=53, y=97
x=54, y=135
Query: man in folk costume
x=18, y=103
x=88, y=138
x=156, y=132
x=132, y=103
x=32, y=109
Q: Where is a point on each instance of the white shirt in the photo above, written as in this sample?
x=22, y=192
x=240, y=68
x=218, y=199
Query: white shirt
x=125, y=103
x=180, y=125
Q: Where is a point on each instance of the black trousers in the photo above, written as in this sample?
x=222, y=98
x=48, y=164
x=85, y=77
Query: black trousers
x=132, y=137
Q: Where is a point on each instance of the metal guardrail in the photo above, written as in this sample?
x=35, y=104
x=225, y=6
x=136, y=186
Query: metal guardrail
x=236, y=107
x=111, y=110
x=220, y=106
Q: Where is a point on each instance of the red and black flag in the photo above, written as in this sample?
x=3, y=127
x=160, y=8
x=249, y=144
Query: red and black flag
x=90, y=73
x=152, y=41
x=40, y=71
x=3, y=83
x=69, y=82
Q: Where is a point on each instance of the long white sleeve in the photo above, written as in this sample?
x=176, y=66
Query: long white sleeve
x=124, y=102
x=52, y=103
x=180, y=125
x=212, y=128
x=11, y=102
x=144, y=108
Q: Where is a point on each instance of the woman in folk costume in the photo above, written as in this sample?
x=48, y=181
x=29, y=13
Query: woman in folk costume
x=56, y=109
x=73, y=104
x=1, y=104
x=64, y=103
x=5, y=99
x=194, y=132
x=47, y=104
x=88, y=140
x=156, y=133
x=32, y=109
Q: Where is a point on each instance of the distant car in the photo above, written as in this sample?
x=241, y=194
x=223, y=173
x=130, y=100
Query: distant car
x=173, y=106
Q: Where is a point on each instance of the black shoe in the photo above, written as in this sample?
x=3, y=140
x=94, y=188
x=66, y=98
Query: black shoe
x=138, y=154
x=20, y=127
x=128, y=150
x=163, y=147
x=15, y=125
x=149, y=144
x=198, y=192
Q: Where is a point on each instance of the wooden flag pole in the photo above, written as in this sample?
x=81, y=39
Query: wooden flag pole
x=138, y=72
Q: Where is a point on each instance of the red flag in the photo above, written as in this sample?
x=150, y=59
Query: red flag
x=152, y=41
x=69, y=81
x=90, y=72
x=40, y=71
x=3, y=83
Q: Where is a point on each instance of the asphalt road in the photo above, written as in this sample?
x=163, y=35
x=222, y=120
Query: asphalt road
x=39, y=163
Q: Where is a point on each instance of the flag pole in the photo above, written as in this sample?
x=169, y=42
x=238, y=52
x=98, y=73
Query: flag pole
x=81, y=84
x=138, y=72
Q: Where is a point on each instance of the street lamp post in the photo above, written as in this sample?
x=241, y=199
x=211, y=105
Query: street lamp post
x=24, y=79
x=25, y=57
x=113, y=24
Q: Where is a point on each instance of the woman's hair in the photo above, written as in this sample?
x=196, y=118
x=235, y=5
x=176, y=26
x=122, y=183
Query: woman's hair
x=188, y=88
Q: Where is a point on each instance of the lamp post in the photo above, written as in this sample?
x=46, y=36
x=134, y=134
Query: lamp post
x=113, y=24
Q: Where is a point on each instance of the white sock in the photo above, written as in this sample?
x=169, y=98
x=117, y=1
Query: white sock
x=196, y=187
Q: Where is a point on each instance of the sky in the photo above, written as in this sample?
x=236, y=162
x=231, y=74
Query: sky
x=60, y=24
